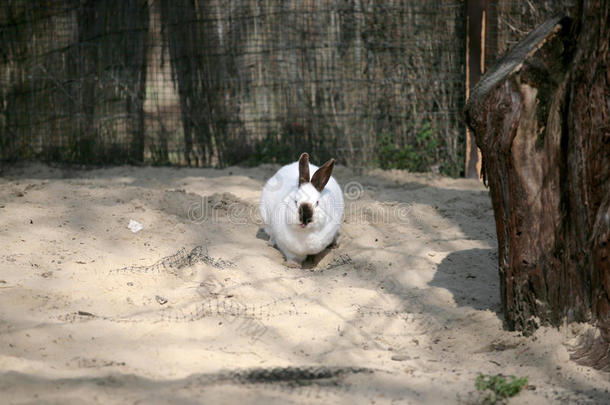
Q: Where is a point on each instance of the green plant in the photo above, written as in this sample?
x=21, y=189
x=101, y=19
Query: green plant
x=159, y=154
x=271, y=149
x=498, y=388
x=417, y=156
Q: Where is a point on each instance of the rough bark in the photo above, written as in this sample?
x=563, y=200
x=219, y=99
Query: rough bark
x=540, y=117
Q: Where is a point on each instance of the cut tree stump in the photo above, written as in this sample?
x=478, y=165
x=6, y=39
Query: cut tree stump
x=541, y=119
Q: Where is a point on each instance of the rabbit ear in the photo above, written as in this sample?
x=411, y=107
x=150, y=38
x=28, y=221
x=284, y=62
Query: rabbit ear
x=322, y=175
x=303, y=169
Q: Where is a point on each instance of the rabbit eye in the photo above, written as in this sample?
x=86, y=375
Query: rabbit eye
x=317, y=202
x=295, y=203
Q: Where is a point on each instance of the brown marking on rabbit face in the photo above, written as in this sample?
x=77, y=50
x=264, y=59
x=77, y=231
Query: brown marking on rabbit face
x=322, y=175
x=305, y=214
x=303, y=169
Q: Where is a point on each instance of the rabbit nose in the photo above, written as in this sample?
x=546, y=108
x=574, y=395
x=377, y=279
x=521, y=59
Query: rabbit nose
x=305, y=214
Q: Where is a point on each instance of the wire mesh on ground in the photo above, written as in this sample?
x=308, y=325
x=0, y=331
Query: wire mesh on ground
x=211, y=83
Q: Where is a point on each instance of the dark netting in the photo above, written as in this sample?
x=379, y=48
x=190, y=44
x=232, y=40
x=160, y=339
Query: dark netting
x=215, y=83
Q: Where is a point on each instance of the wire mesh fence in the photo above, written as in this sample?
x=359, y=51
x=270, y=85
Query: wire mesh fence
x=216, y=83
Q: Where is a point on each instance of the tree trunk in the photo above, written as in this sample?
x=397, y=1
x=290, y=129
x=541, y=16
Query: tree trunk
x=541, y=119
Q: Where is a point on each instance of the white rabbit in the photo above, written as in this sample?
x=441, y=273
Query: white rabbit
x=302, y=217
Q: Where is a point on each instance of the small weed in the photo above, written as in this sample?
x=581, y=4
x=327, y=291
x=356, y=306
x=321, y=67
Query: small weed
x=417, y=156
x=271, y=149
x=498, y=388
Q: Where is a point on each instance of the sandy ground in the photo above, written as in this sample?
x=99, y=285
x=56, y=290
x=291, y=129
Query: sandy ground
x=196, y=308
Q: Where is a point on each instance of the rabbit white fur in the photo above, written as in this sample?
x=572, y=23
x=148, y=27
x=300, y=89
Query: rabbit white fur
x=300, y=219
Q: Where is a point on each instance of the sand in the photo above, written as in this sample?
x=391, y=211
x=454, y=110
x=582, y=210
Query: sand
x=197, y=308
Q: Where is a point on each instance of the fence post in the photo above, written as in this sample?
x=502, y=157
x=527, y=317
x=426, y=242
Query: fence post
x=475, y=66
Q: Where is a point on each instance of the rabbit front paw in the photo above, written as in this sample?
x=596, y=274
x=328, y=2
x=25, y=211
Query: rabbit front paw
x=293, y=264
